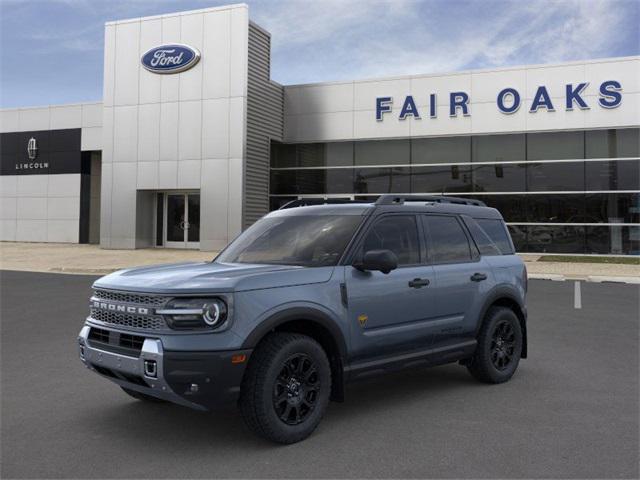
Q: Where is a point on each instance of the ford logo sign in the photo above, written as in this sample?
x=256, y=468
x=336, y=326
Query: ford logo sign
x=172, y=58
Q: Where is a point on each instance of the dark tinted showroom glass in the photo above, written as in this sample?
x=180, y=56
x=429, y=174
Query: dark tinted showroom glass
x=305, y=182
x=556, y=208
x=519, y=237
x=512, y=207
x=564, y=176
x=555, y=145
x=499, y=148
x=382, y=180
x=397, y=233
x=437, y=179
x=441, y=150
x=283, y=155
x=554, y=239
x=382, y=152
x=613, y=240
x=499, y=178
x=311, y=241
x=613, y=175
x=613, y=143
x=612, y=208
x=447, y=242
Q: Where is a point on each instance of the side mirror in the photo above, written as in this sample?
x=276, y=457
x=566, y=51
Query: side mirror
x=382, y=260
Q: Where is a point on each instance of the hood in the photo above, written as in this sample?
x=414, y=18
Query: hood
x=211, y=277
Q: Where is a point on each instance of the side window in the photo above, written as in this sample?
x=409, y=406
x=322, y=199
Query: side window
x=447, y=241
x=483, y=241
x=398, y=233
x=498, y=233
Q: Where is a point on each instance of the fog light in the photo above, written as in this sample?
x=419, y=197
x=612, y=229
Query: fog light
x=150, y=368
x=82, y=352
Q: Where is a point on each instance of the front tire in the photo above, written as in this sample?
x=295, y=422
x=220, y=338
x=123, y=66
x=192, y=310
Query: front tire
x=499, y=347
x=286, y=388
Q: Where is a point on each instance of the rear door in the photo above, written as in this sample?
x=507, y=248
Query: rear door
x=390, y=314
x=462, y=276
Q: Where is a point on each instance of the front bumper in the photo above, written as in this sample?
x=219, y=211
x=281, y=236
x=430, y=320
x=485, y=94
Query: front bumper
x=199, y=380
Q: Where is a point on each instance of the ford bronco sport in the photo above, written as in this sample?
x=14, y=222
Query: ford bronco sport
x=309, y=298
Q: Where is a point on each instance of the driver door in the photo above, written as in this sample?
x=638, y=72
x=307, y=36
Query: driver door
x=390, y=313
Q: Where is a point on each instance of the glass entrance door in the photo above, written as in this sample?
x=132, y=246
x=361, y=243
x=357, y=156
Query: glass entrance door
x=182, y=220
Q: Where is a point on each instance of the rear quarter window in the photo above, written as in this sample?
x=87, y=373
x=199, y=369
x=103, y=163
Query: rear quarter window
x=496, y=230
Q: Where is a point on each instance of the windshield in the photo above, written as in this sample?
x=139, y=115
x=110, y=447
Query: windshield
x=310, y=241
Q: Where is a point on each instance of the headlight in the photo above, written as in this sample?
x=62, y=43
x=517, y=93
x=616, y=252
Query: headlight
x=194, y=313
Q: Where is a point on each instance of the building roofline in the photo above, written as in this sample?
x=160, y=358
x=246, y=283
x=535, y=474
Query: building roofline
x=179, y=14
x=467, y=72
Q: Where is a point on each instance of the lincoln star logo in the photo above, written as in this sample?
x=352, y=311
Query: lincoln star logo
x=173, y=58
x=32, y=148
x=115, y=307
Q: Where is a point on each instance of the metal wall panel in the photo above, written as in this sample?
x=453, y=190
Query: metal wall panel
x=265, y=120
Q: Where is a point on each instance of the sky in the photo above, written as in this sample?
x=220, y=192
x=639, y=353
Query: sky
x=51, y=51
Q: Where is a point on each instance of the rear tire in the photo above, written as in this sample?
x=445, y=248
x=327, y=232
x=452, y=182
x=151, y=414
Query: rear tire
x=285, y=390
x=141, y=396
x=499, y=347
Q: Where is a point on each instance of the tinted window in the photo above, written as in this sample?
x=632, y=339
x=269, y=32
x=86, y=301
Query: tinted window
x=497, y=232
x=613, y=175
x=482, y=240
x=613, y=143
x=382, y=180
x=382, y=152
x=447, y=240
x=555, y=145
x=445, y=178
x=542, y=177
x=612, y=208
x=499, y=178
x=441, y=150
x=307, y=240
x=499, y=148
x=397, y=233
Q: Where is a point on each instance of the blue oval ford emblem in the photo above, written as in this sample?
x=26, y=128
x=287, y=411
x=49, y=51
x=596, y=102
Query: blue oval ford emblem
x=172, y=58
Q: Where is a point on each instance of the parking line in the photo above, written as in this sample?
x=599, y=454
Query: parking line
x=577, y=295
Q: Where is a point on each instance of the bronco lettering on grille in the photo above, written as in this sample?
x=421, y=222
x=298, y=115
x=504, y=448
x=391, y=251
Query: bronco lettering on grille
x=114, y=307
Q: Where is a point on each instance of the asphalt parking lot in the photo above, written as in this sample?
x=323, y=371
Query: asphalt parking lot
x=570, y=411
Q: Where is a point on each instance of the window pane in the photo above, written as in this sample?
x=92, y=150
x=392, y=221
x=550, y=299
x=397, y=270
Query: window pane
x=496, y=231
x=613, y=175
x=613, y=143
x=448, y=242
x=555, y=239
x=382, y=180
x=555, y=145
x=613, y=240
x=499, y=148
x=481, y=238
x=542, y=177
x=310, y=155
x=519, y=237
x=285, y=182
x=556, y=208
x=283, y=155
x=441, y=150
x=447, y=178
x=499, y=178
x=397, y=233
x=613, y=208
x=382, y=152
x=512, y=207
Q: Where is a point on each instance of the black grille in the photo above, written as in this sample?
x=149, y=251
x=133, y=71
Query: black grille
x=130, y=298
x=141, y=322
x=115, y=342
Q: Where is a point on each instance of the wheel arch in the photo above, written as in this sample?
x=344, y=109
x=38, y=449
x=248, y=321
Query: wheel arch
x=315, y=324
x=508, y=299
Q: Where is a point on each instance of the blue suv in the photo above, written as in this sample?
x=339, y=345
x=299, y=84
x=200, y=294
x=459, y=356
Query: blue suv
x=309, y=298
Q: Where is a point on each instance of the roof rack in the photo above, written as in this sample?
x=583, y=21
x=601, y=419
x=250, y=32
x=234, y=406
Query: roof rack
x=305, y=202
x=400, y=199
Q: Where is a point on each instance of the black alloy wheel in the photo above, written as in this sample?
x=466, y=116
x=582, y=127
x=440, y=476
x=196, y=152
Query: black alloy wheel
x=295, y=392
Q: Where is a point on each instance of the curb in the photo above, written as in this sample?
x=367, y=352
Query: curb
x=588, y=278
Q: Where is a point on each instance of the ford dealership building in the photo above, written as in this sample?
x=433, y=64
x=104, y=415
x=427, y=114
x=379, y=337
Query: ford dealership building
x=193, y=142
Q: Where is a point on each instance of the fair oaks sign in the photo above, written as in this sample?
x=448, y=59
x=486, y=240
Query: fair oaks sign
x=508, y=101
x=173, y=58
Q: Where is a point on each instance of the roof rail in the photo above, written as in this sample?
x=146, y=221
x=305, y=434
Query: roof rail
x=400, y=199
x=305, y=202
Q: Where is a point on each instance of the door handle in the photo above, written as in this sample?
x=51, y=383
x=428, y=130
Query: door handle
x=418, y=282
x=478, y=277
